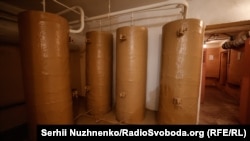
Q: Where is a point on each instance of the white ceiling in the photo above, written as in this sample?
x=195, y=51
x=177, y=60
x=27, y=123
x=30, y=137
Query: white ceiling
x=9, y=10
x=91, y=7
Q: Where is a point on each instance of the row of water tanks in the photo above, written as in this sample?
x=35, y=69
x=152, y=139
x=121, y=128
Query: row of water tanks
x=180, y=72
x=45, y=63
x=131, y=66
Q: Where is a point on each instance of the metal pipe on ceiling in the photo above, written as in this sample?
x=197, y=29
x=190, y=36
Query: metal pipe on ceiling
x=143, y=8
x=237, y=43
x=81, y=12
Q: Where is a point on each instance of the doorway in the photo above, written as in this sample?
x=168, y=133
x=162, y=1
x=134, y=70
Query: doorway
x=220, y=97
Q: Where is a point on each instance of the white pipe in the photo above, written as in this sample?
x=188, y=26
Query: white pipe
x=74, y=22
x=109, y=6
x=81, y=19
x=65, y=6
x=73, y=9
x=161, y=4
x=137, y=19
x=44, y=5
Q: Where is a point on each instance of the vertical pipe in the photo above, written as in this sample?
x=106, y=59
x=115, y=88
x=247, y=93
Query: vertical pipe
x=99, y=52
x=131, y=66
x=44, y=5
x=181, y=72
x=45, y=60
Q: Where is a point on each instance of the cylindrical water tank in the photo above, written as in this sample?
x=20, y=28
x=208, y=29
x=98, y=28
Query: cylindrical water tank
x=45, y=60
x=99, y=62
x=131, y=73
x=181, y=66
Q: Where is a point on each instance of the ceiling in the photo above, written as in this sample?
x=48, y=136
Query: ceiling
x=10, y=8
x=218, y=34
x=91, y=7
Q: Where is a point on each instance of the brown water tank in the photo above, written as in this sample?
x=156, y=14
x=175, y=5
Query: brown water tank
x=99, y=60
x=180, y=79
x=45, y=60
x=131, y=71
